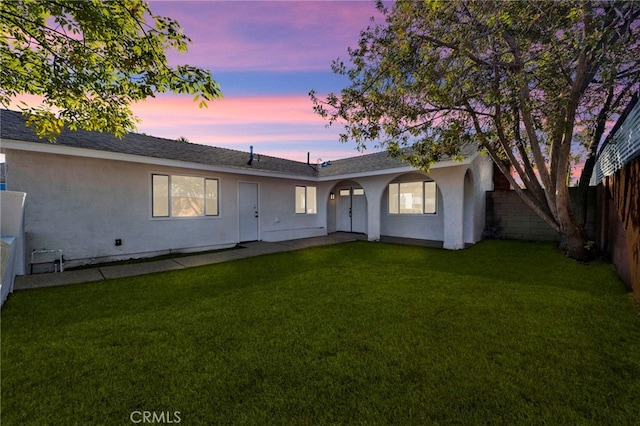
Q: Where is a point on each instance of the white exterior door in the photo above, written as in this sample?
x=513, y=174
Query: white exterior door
x=358, y=211
x=248, y=211
x=351, y=210
x=343, y=210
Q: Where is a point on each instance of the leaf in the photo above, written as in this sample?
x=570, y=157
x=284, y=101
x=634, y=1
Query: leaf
x=94, y=71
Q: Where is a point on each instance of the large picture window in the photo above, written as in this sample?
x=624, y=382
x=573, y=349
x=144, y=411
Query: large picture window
x=305, y=199
x=184, y=196
x=412, y=198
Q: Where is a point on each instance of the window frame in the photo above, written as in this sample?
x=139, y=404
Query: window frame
x=398, y=193
x=306, y=196
x=166, y=199
x=206, y=182
x=351, y=192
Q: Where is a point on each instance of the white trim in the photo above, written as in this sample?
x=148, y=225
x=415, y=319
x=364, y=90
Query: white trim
x=306, y=200
x=152, y=173
x=423, y=214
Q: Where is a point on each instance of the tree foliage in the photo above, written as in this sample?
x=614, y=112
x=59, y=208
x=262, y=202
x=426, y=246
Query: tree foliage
x=89, y=60
x=526, y=81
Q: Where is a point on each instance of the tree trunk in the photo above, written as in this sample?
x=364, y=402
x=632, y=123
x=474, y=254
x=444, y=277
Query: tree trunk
x=573, y=236
x=574, y=243
x=583, y=186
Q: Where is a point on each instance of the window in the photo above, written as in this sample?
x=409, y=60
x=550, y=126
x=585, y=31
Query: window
x=305, y=199
x=160, y=190
x=184, y=196
x=211, y=197
x=430, y=197
x=412, y=198
x=352, y=191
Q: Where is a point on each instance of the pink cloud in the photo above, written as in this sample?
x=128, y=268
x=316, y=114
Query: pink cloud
x=238, y=110
x=257, y=36
x=267, y=35
x=284, y=126
x=281, y=126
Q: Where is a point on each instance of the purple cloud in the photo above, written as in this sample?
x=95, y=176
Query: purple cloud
x=267, y=35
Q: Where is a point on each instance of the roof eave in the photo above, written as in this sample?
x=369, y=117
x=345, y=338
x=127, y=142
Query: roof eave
x=141, y=159
x=404, y=169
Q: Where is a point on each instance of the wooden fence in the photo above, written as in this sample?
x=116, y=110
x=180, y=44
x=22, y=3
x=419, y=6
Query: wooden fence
x=617, y=175
x=618, y=222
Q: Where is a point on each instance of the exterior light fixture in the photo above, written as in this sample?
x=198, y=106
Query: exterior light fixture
x=332, y=196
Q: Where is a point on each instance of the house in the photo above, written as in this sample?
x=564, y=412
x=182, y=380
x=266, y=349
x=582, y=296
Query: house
x=98, y=198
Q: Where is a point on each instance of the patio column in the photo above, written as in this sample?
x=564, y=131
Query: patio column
x=450, y=180
x=374, y=197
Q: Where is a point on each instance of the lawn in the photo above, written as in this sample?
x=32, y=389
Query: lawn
x=356, y=333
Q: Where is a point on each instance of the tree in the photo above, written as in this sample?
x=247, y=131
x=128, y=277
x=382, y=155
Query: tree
x=89, y=60
x=526, y=81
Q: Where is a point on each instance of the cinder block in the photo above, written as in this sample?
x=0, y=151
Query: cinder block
x=499, y=200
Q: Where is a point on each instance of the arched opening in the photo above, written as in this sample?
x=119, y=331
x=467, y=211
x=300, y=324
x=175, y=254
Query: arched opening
x=347, y=208
x=412, y=207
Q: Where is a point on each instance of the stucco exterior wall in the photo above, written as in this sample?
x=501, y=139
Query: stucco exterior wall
x=482, y=174
x=82, y=205
x=456, y=208
x=278, y=219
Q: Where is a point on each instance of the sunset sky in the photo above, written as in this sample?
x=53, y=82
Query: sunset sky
x=267, y=56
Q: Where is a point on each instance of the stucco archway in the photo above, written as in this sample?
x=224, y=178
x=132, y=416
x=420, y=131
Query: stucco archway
x=347, y=208
x=424, y=225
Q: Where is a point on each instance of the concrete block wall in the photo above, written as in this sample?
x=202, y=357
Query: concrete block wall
x=509, y=217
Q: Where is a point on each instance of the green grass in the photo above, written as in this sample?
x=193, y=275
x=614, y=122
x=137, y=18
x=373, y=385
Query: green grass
x=356, y=333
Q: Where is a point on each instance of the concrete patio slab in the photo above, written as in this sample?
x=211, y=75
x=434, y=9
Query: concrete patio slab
x=245, y=250
x=25, y=282
x=209, y=258
x=134, y=269
x=411, y=242
x=260, y=248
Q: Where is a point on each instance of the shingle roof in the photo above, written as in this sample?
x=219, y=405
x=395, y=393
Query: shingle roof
x=364, y=163
x=377, y=161
x=12, y=126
